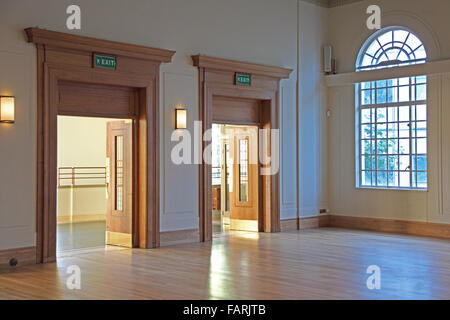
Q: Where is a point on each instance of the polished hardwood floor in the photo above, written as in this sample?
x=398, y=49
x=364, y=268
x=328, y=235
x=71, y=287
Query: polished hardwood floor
x=321, y=263
x=80, y=235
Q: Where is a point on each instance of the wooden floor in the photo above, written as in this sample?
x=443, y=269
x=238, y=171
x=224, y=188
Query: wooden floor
x=80, y=235
x=311, y=264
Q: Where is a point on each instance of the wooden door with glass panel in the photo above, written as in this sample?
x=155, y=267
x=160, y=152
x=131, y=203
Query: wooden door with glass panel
x=119, y=216
x=244, y=204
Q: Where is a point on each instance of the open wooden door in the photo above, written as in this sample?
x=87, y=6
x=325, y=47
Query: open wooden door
x=119, y=215
x=244, y=204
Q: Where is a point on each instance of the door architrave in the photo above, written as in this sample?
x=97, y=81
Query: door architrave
x=66, y=57
x=217, y=78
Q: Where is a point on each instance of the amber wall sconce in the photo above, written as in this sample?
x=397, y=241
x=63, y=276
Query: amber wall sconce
x=180, y=118
x=7, y=106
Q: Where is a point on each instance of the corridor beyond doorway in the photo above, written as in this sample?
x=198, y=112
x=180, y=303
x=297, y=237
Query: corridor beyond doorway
x=235, y=178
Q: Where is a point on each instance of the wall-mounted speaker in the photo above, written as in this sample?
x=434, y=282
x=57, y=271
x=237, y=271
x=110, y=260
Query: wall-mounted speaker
x=328, y=59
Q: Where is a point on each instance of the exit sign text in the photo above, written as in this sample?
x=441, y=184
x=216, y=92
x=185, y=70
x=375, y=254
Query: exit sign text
x=107, y=62
x=243, y=79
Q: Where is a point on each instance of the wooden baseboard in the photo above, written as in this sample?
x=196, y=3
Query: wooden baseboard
x=170, y=238
x=305, y=223
x=288, y=225
x=24, y=256
x=417, y=228
x=82, y=218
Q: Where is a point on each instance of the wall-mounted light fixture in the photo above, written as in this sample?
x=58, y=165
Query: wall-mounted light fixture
x=180, y=118
x=7, y=109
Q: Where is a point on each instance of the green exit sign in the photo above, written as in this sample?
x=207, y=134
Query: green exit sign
x=243, y=79
x=107, y=62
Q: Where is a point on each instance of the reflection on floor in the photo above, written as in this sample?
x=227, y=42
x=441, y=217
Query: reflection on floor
x=80, y=235
x=321, y=263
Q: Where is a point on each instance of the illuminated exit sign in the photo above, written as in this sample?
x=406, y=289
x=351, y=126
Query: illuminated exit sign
x=106, y=62
x=243, y=79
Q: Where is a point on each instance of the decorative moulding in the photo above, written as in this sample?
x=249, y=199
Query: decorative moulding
x=82, y=43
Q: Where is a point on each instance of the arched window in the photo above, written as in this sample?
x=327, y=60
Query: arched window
x=392, y=114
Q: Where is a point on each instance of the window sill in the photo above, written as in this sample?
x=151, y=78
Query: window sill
x=391, y=189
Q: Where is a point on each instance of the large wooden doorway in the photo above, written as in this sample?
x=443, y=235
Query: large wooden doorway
x=71, y=83
x=245, y=93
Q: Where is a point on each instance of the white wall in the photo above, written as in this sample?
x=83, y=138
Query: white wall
x=312, y=103
x=347, y=33
x=259, y=31
x=82, y=143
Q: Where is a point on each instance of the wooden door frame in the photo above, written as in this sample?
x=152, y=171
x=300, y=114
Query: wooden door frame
x=66, y=57
x=217, y=78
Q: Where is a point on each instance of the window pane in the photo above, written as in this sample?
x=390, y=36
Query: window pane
x=382, y=179
x=381, y=96
x=365, y=85
x=367, y=131
x=421, y=112
x=382, y=146
x=381, y=131
x=381, y=115
x=392, y=179
x=366, y=178
x=421, y=79
x=403, y=113
x=366, y=115
x=392, y=95
x=393, y=146
x=243, y=170
x=404, y=146
x=403, y=81
x=119, y=173
x=422, y=146
x=422, y=163
x=404, y=163
x=367, y=162
x=386, y=37
x=403, y=93
x=421, y=92
x=404, y=179
x=365, y=97
x=422, y=179
x=367, y=147
x=393, y=130
x=403, y=130
x=400, y=35
x=393, y=163
x=381, y=163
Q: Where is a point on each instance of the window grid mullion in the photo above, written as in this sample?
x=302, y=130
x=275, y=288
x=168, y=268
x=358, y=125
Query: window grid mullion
x=376, y=137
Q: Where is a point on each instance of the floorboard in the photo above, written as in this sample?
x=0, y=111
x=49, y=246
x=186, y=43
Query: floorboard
x=321, y=263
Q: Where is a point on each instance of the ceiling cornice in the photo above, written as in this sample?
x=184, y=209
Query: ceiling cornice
x=331, y=3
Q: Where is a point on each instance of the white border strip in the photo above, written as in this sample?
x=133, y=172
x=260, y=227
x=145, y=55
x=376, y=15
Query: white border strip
x=429, y=68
